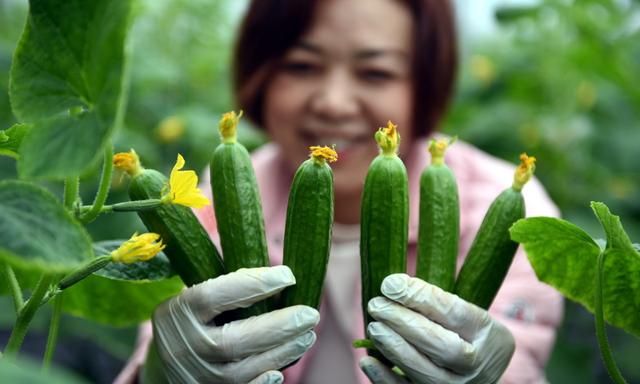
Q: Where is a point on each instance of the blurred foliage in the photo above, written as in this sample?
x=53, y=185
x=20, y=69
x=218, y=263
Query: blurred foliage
x=560, y=80
x=180, y=82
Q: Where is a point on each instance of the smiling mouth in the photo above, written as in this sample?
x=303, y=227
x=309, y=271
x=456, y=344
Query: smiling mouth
x=340, y=143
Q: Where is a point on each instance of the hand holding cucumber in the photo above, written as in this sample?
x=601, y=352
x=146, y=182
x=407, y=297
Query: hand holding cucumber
x=191, y=348
x=434, y=336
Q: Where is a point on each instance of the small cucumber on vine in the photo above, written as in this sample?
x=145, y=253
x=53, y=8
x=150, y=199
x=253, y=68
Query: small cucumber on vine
x=307, y=236
x=439, y=220
x=384, y=219
x=237, y=206
x=188, y=246
x=492, y=250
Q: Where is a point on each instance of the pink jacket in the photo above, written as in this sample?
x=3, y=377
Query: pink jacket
x=530, y=309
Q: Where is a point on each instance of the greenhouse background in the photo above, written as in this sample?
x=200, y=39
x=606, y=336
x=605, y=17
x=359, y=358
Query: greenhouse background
x=559, y=79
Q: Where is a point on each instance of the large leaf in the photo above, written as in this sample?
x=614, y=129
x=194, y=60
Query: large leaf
x=621, y=287
x=565, y=257
x=122, y=294
x=66, y=80
x=10, y=139
x=562, y=255
x=37, y=233
x=28, y=371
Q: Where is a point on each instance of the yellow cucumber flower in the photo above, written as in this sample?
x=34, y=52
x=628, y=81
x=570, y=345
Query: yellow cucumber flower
x=138, y=248
x=438, y=147
x=128, y=162
x=183, y=187
x=524, y=172
x=388, y=139
x=228, y=126
x=322, y=154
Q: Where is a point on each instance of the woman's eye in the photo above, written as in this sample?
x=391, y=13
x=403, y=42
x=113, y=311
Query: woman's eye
x=376, y=75
x=299, y=67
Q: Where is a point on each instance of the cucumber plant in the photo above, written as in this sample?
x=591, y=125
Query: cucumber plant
x=68, y=95
x=588, y=270
x=188, y=246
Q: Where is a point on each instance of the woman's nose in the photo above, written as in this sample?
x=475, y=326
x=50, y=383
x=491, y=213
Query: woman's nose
x=335, y=97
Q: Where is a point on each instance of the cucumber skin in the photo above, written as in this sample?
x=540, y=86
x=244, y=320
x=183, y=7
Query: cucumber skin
x=439, y=227
x=188, y=246
x=384, y=228
x=307, y=238
x=238, y=211
x=491, y=252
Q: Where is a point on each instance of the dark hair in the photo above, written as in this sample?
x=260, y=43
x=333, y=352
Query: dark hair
x=271, y=27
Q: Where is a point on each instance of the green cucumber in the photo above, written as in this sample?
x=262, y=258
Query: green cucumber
x=307, y=236
x=237, y=207
x=439, y=222
x=492, y=250
x=188, y=246
x=384, y=219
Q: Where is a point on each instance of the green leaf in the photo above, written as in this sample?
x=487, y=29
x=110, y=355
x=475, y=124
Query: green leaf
x=37, y=233
x=122, y=294
x=10, y=139
x=61, y=146
x=621, y=286
x=565, y=257
x=27, y=371
x=562, y=255
x=616, y=236
x=67, y=81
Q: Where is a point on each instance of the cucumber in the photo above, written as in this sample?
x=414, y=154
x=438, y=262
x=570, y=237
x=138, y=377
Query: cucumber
x=384, y=219
x=439, y=222
x=307, y=236
x=188, y=246
x=492, y=250
x=237, y=207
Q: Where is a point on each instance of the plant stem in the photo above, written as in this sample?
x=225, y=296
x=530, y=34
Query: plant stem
x=128, y=206
x=363, y=343
x=14, y=287
x=71, y=189
x=103, y=188
x=26, y=315
x=601, y=331
x=52, y=338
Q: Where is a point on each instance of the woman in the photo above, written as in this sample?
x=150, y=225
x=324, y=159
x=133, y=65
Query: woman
x=331, y=72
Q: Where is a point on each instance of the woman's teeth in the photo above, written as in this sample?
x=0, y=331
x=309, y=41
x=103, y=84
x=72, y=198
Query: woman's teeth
x=340, y=144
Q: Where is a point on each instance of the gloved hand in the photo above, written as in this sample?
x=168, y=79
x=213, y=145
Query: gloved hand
x=434, y=336
x=192, y=349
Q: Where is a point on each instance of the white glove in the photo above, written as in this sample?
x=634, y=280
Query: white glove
x=194, y=350
x=434, y=336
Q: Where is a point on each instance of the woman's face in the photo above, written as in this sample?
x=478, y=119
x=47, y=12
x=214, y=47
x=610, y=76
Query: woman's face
x=346, y=77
